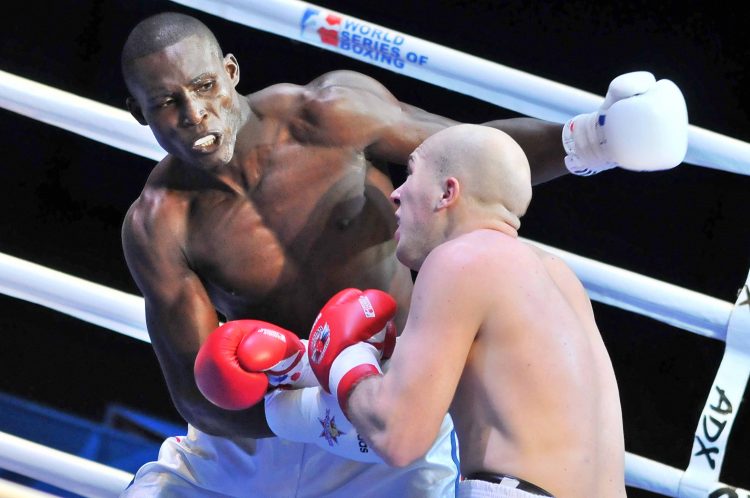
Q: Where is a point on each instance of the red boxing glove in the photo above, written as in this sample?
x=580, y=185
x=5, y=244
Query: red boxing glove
x=350, y=317
x=234, y=365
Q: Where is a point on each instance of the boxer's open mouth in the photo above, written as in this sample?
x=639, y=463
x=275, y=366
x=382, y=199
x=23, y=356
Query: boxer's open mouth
x=207, y=144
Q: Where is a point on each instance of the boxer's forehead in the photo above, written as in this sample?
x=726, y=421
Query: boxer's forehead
x=422, y=157
x=178, y=64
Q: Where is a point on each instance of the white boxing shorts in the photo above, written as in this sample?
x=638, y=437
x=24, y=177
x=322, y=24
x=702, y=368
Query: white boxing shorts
x=202, y=466
x=507, y=487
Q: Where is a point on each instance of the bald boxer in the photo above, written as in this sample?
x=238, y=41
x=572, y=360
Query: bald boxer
x=269, y=203
x=499, y=333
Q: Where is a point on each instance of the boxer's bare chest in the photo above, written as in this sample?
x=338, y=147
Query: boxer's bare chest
x=301, y=225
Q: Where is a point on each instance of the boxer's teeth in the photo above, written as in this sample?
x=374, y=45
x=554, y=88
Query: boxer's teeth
x=203, y=142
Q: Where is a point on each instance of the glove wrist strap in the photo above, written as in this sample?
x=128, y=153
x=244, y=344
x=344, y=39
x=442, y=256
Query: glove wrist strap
x=294, y=372
x=585, y=145
x=350, y=366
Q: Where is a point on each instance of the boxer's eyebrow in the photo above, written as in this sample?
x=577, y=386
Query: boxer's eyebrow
x=201, y=78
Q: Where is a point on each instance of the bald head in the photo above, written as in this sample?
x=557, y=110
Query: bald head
x=491, y=167
x=159, y=31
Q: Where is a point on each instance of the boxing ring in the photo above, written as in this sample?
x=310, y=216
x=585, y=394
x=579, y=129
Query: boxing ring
x=521, y=92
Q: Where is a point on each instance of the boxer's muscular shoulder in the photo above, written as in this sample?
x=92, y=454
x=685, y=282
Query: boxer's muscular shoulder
x=347, y=93
x=281, y=93
x=322, y=111
x=486, y=264
x=158, y=215
x=563, y=277
x=353, y=81
x=553, y=264
x=478, y=249
x=276, y=100
x=347, y=108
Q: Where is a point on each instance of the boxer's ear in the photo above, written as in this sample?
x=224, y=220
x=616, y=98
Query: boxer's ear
x=232, y=67
x=451, y=191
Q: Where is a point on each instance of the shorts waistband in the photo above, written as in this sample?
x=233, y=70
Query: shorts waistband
x=508, y=481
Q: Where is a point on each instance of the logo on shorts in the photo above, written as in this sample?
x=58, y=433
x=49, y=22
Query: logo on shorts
x=319, y=341
x=367, y=307
x=363, y=448
x=330, y=432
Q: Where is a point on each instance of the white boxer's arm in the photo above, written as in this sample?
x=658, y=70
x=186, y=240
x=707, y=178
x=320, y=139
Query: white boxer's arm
x=400, y=413
x=311, y=415
x=642, y=125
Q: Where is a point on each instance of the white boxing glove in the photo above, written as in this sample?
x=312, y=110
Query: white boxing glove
x=641, y=126
x=311, y=415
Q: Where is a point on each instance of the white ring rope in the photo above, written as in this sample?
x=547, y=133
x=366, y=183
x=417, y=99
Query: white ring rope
x=66, y=471
x=90, y=302
x=100, y=122
x=668, y=303
x=503, y=86
x=124, y=313
x=10, y=489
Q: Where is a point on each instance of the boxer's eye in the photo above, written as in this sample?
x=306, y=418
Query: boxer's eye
x=164, y=103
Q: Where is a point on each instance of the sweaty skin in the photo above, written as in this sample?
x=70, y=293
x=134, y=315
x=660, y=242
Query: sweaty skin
x=500, y=334
x=267, y=204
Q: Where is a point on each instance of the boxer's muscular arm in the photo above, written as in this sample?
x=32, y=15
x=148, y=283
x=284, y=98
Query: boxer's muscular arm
x=179, y=317
x=540, y=141
x=349, y=108
x=400, y=413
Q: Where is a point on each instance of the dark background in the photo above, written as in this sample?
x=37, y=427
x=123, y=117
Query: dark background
x=64, y=196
